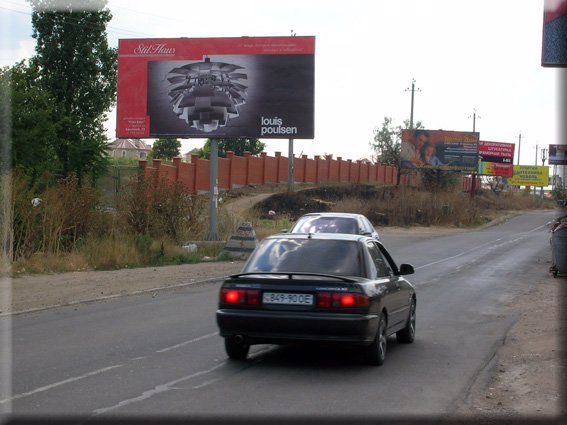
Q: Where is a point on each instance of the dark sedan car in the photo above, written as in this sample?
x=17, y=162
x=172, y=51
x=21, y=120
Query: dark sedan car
x=320, y=287
x=334, y=222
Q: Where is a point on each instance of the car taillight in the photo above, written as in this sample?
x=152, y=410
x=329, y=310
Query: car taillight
x=341, y=300
x=240, y=296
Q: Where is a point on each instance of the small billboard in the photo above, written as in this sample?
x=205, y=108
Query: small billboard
x=530, y=175
x=496, y=159
x=557, y=154
x=216, y=87
x=441, y=149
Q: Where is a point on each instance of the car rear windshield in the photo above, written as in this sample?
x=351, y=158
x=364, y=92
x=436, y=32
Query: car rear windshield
x=343, y=258
x=327, y=225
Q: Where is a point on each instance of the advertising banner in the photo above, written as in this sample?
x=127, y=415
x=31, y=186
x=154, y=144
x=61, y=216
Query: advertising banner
x=530, y=175
x=496, y=159
x=446, y=150
x=554, y=41
x=557, y=154
x=216, y=87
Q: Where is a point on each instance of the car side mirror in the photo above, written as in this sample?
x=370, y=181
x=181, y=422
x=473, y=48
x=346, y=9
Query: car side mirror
x=406, y=269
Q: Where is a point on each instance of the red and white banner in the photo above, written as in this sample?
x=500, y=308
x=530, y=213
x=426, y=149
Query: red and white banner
x=496, y=159
x=216, y=87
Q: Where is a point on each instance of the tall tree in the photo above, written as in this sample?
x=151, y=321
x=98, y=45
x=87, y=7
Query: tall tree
x=166, y=148
x=78, y=69
x=33, y=129
x=237, y=145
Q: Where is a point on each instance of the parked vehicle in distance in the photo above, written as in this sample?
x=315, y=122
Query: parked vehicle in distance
x=318, y=287
x=335, y=222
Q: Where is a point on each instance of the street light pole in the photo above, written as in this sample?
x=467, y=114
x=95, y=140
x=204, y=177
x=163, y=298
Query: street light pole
x=519, y=147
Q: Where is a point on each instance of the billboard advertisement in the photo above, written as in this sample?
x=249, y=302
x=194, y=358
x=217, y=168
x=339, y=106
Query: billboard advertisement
x=554, y=42
x=441, y=149
x=557, y=154
x=530, y=175
x=496, y=159
x=216, y=87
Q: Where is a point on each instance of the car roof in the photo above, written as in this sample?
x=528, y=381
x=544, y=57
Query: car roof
x=332, y=214
x=321, y=236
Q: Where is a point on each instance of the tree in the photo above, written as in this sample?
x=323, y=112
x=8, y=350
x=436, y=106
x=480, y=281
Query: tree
x=33, y=130
x=237, y=145
x=387, y=143
x=166, y=148
x=78, y=69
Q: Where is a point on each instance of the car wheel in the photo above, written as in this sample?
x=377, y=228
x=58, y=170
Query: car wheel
x=407, y=334
x=375, y=353
x=236, y=350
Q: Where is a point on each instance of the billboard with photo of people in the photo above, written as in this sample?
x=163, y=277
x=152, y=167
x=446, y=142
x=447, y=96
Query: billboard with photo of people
x=441, y=149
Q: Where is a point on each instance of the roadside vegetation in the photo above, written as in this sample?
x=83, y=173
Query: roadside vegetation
x=66, y=227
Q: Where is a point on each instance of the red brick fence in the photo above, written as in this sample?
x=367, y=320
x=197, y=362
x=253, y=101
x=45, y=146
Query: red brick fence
x=237, y=171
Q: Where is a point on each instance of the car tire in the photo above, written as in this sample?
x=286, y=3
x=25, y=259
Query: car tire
x=375, y=353
x=407, y=334
x=236, y=350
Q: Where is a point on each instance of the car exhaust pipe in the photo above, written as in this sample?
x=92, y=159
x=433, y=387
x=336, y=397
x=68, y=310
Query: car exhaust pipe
x=239, y=339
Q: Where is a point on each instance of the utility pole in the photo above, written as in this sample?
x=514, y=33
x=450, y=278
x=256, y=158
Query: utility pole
x=474, y=117
x=543, y=158
x=413, y=90
x=519, y=147
x=474, y=174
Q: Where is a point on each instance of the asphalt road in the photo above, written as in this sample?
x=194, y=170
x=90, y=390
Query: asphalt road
x=145, y=355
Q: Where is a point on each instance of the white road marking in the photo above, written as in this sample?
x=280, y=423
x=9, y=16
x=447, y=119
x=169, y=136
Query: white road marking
x=156, y=390
x=182, y=344
x=58, y=384
x=521, y=236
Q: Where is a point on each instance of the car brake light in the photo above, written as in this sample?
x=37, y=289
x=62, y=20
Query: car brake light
x=240, y=296
x=341, y=300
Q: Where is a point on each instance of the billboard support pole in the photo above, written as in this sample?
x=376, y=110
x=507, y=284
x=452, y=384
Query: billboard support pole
x=214, y=191
x=290, y=169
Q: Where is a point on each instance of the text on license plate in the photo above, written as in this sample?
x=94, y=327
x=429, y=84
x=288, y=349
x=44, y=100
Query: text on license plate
x=286, y=298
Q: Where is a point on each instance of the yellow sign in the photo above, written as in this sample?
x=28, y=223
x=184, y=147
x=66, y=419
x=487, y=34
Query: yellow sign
x=530, y=175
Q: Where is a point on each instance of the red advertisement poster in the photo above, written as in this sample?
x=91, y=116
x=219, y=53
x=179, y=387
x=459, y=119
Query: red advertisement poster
x=496, y=159
x=216, y=87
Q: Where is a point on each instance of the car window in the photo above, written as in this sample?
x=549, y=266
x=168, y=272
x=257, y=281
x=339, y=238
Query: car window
x=341, y=258
x=380, y=263
x=327, y=225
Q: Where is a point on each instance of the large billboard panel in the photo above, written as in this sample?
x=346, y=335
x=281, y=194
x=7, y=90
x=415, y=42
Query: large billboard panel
x=554, y=41
x=530, y=175
x=216, y=87
x=441, y=149
x=496, y=159
x=557, y=154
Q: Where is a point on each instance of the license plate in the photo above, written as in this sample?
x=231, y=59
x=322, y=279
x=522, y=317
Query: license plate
x=286, y=298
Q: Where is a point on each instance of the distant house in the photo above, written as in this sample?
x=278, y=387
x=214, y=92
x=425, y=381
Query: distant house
x=187, y=156
x=129, y=148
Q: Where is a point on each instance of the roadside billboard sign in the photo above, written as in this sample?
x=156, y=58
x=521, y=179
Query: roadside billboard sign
x=530, y=175
x=557, y=154
x=496, y=159
x=216, y=87
x=440, y=149
x=554, y=42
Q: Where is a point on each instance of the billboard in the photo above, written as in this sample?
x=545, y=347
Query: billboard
x=557, y=154
x=530, y=175
x=216, y=87
x=441, y=149
x=496, y=159
x=554, y=41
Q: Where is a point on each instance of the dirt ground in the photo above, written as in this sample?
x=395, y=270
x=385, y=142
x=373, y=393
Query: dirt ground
x=524, y=378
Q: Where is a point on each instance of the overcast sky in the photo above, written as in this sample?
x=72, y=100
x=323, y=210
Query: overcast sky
x=466, y=56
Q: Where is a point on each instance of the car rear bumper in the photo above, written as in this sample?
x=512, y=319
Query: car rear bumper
x=267, y=327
